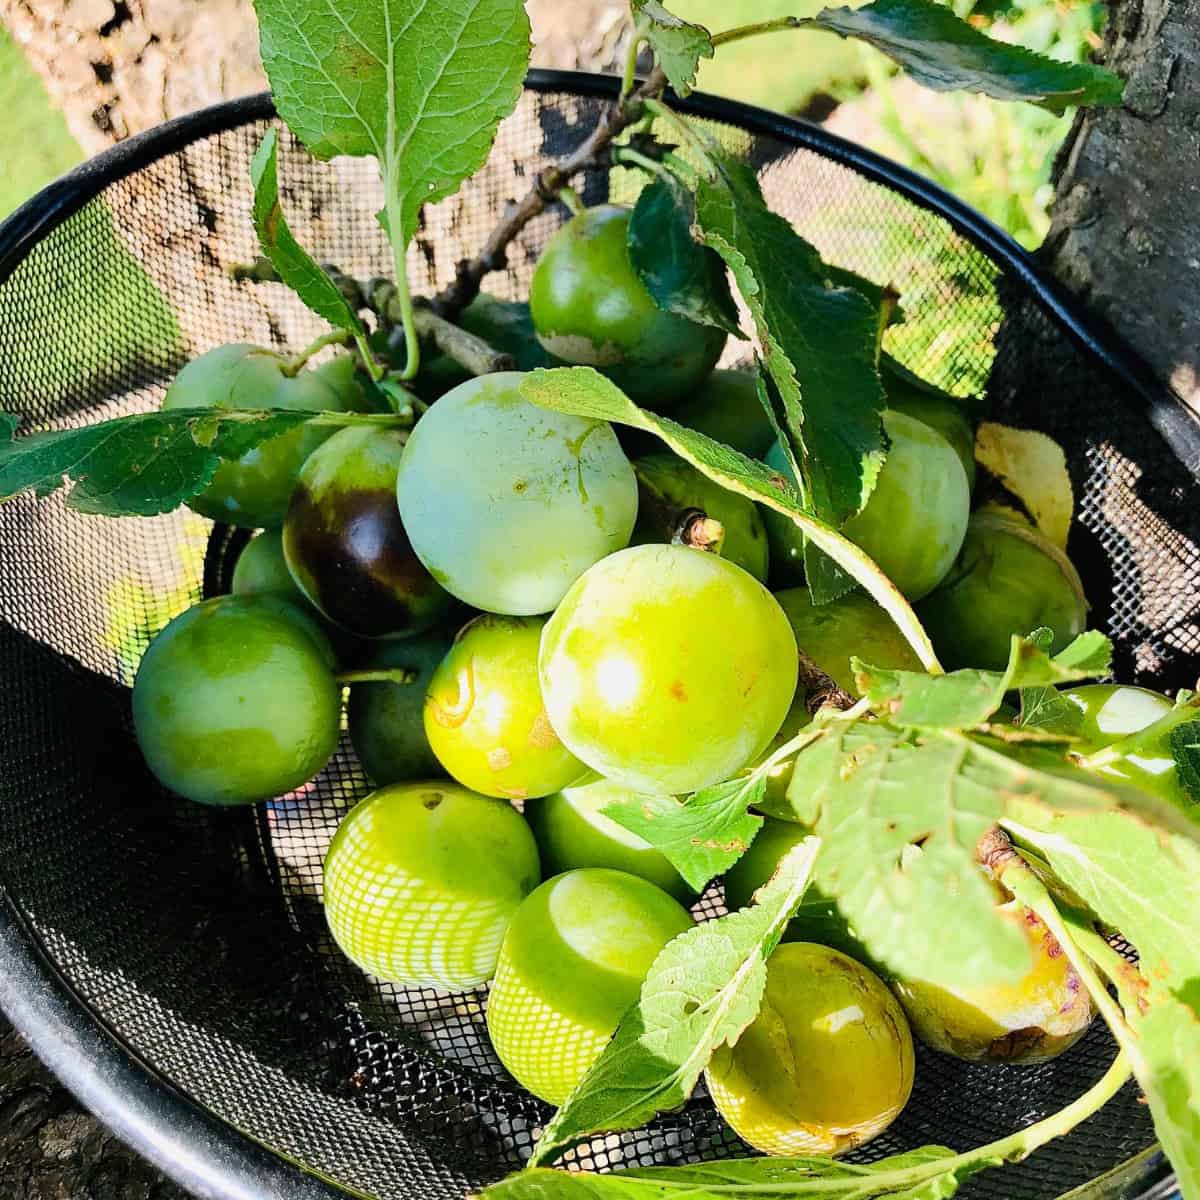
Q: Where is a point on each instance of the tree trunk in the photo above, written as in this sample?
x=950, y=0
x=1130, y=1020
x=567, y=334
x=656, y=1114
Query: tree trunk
x=1125, y=236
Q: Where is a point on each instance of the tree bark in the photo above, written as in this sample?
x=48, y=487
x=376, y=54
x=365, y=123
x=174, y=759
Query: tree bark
x=1125, y=237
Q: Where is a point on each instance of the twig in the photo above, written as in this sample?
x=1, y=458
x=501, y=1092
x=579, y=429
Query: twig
x=453, y=299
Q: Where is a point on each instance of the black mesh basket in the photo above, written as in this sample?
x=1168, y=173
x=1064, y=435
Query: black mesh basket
x=171, y=962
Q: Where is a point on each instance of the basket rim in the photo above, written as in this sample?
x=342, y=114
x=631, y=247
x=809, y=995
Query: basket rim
x=198, y=1149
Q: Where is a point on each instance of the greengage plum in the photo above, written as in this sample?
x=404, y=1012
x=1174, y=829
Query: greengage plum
x=386, y=720
x=667, y=669
x=422, y=879
x=669, y=487
x=573, y=962
x=572, y=831
x=235, y=701
x=590, y=307
x=262, y=570
x=947, y=414
x=1007, y=580
x=254, y=491
x=484, y=715
x=825, y=1066
x=346, y=545
x=726, y=408
x=1035, y=1019
x=506, y=503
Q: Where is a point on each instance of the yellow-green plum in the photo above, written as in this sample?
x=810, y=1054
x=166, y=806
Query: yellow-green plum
x=346, y=546
x=945, y=413
x=506, y=503
x=422, y=879
x=666, y=669
x=914, y=522
x=254, y=490
x=235, y=701
x=1113, y=713
x=825, y=1066
x=1007, y=580
x=830, y=634
x=386, y=720
x=589, y=307
x=726, y=408
x=1032, y=1020
x=572, y=831
x=669, y=488
x=572, y=963
x=485, y=718
x=818, y=918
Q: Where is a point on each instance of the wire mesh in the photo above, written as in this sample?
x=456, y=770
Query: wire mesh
x=197, y=935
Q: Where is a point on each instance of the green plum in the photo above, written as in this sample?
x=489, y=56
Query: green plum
x=235, y=701
x=1032, y=1020
x=262, y=570
x=914, y=522
x=726, y=408
x=666, y=669
x=357, y=393
x=830, y=634
x=825, y=1066
x=939, y=410
x=254, y=490
x=1116, y=713
x=506, y=503
x=1007, y=580
x=572, y=831
x=346, y=545
x=668, y=488
x=573, y=961
x=484, y=715
x=386, y=720
x=590, y=307
x=422, y=879
x=818, y=918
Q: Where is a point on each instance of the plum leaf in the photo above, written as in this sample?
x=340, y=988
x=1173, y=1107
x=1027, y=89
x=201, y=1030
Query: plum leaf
x=1033, y=468
x=421, y=87
x=682, y=276
x=943, y=52
x=291, y=261
x=703, y=989
x=818, y=340
x=1185, y=749
x=967, y=698
x=586, y=393
x=702, y=836
x=678, y=45
x=139, y=465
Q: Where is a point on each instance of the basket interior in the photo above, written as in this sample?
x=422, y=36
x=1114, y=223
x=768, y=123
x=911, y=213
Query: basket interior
x=197, y=935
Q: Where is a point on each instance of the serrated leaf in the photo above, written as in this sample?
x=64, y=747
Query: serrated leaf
x=682, y=276
x=1185, y=749
x=942, y=52
x=1033, y=468
x=701, y=837
x=585, y=392
x=140, y=465
x=930, y=1173
x=678, y=45
x=818, y=340
x=291, y=261
x=703, y=989
x=967, y=698
x=421, y=87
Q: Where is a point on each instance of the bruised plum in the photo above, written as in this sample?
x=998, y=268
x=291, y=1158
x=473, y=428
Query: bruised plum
x=345, y=543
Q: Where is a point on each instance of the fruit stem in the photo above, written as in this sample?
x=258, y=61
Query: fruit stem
x=624, y=154
x=570, y=200
x=295, y=364
x=700, y=531
x=744, y=31
x=399, y=675
x=637, y=36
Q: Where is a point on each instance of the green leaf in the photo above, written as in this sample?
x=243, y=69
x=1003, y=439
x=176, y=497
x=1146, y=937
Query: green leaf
x=141, y=465
x=900, y=814
x=682, y=276
x=678, y=45
x=943, y=52
x=702, y=837
x=1185, y=749
x=818, y=340
x=291, y=261
x=704, y=988
x=965, y=699
x=585, y=392
x=930, y=1173
x=422, y=87
x=1043, y=709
